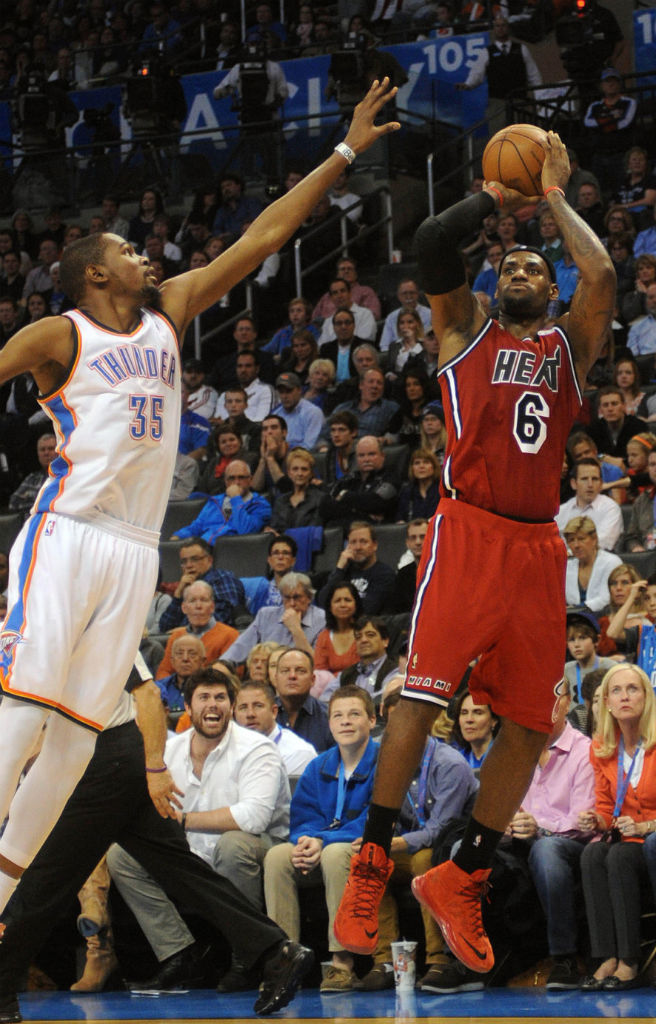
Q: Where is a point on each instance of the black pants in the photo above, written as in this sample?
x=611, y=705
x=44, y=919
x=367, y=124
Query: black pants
x=613, y=879
x=111, y=804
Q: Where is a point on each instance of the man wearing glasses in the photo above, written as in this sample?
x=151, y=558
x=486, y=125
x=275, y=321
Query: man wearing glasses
x=240, y=510
x=196, y=564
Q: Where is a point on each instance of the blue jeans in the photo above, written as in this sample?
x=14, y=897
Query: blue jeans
x=554, y=865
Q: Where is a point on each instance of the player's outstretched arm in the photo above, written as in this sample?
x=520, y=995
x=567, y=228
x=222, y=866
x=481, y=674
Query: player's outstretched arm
x=186, y=296
x=591, y=308
x=44, y=349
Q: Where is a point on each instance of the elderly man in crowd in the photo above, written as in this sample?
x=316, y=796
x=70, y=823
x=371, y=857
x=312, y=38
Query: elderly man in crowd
x=368, y=493
x=187, y=655
x=198, y=606
x=297, y=623
x=297, y=708
x=196, y=564
x=237, y=511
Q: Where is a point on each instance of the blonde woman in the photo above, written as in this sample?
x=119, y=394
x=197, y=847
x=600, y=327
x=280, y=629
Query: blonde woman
x=301, y=506
x=586, y=580
x=623, y=757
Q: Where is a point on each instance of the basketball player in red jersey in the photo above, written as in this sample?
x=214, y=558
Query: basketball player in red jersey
x=83, y=569
x=490, y=584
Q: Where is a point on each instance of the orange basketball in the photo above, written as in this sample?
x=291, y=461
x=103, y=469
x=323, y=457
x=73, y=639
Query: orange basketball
x=514, y=156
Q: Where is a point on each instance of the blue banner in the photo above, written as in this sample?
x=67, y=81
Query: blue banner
x=644, y=38
x=433, y=66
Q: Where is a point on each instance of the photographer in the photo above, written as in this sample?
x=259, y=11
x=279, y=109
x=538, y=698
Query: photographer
x=258, y=85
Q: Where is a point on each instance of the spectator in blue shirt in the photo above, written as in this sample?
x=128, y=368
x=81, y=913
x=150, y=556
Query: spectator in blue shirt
x=236, y=512
x=304, y=419
x=299, y=311
x=163, y=35
x=235, y=207
x=642, y=333
x=487, y=277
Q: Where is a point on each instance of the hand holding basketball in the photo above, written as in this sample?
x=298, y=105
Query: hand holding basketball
x=556, y=169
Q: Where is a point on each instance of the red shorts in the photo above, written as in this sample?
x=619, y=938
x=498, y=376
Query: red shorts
x=494, y=589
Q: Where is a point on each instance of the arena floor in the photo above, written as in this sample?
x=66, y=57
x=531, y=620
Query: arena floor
x=511, y=1005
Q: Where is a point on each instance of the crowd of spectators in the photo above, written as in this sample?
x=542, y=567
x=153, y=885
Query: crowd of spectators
x=320, y=415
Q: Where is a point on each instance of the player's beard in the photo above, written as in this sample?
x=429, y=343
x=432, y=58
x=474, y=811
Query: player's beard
x=151, y=296
x=520, y=307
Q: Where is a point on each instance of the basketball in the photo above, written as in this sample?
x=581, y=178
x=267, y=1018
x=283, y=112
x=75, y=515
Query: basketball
x=514, y=156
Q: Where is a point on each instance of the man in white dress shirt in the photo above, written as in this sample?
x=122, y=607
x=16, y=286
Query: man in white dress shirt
x=589, y=501
x=235, y=806
x=256, y=709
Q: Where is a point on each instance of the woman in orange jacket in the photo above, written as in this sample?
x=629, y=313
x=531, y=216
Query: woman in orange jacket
x=623, y=755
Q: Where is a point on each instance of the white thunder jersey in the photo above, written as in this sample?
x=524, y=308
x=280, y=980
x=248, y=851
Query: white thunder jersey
x=117, y=421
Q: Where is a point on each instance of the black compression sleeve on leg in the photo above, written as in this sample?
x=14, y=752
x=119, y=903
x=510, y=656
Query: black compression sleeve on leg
x=441, y=268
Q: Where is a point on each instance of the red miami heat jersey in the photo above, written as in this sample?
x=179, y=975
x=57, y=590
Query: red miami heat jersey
x=509, y=407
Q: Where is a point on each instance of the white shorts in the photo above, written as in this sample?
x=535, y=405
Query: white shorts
x=79, y=593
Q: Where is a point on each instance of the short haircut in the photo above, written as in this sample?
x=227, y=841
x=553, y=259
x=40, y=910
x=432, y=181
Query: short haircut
x=201, y=583
x=579, y=524
x=296, y=579
x=577, y=438
x=377, y=621
x=208, y=677
x=246, y=352
x=610, y=389
x=296, y=650
x=300, y=453
x=304, y=302
x=323, y=364
x=280, y=419
x=346, y=419
x=343, y=312
x=185, y=638
x=339, y=280
x=360, y=524
x=588, y=460
x=224, y=429
x=283, y=539
x=193, y=541
x=74, y=261
x=354, y=692
x=415, y=522
x=265, y=688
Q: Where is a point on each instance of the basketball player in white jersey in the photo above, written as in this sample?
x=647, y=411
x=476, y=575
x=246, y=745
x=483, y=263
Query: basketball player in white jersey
x=83, y=570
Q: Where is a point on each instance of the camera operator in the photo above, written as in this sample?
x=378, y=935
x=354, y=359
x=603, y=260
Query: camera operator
x=259, y=88
x=42, y=110
x=355, y=66
x=258, y=85
x=155, y=106
x=589, y=41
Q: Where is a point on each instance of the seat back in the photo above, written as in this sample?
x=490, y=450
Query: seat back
x=245, y=556
x=180, y=513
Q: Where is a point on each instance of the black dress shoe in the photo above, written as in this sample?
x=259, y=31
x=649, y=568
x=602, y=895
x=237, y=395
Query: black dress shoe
x=283, y=973
x=592, y=984
x=9, y=1008
x=185, y=969
x=239, y=978
x=615, y=984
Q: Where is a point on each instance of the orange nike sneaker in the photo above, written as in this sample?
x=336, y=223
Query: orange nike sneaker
x=454, y=899
x=356, y=921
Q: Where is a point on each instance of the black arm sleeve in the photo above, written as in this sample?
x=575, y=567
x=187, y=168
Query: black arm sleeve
x=441, y=268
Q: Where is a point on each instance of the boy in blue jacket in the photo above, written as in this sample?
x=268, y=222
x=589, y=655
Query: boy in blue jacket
x=328, y=811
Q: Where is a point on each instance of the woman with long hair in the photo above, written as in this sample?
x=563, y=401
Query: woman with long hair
x=474, y=729
x=626, y=376
x=414, y=396
x=621, y=580
x=302, y=352
x=335, y=648
x=150, y=204
x=623, y=756
x=419, y=496
x=432, y=435
x=409, y=332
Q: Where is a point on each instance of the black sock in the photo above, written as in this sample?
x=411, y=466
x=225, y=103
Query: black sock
x=477, y=847
x=379, y=828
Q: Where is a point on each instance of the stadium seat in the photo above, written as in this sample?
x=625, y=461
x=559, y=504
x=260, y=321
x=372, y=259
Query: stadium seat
x=180, y=513
x=391, y=542
x=169, y=559
x=644, y=561
x=245, y=556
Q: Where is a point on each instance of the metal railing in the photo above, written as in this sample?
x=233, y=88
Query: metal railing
x=385, y=221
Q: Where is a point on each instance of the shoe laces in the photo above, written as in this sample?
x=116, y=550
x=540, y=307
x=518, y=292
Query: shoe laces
x=370, y=881
x=474, y=892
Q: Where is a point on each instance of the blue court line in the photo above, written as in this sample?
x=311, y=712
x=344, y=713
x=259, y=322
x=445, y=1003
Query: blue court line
x=204, y=1004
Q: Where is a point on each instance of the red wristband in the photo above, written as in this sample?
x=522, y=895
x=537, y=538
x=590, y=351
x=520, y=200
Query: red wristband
x=492, y=188
x=553, y=188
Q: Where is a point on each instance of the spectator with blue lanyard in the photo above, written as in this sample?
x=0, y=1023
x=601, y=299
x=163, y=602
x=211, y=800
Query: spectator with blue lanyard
x=474, y=729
